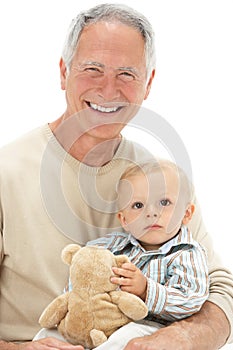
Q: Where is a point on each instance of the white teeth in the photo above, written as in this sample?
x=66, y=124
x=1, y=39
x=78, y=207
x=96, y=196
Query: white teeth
x=103, y=109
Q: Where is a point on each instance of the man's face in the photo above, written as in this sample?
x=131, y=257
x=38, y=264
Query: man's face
x=107, y=79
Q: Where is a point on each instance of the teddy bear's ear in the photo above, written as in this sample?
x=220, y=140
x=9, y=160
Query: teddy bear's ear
x=121, y=259
x=68, y=253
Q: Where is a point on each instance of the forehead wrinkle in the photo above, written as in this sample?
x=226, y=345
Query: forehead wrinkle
x=93, y=63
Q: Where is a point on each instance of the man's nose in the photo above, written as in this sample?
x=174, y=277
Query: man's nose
x=109, y=87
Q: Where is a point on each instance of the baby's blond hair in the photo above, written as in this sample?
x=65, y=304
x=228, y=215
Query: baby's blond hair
x=157, y=165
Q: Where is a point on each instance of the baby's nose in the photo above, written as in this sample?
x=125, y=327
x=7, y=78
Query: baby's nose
x=152, y=212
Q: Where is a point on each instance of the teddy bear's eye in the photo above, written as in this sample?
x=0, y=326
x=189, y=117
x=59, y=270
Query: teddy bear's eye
x=137, y=205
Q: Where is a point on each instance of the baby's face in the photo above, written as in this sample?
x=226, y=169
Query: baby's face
x=154, y=206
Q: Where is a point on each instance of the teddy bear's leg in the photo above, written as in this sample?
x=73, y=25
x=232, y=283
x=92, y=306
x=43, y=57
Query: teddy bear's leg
x=97, y=337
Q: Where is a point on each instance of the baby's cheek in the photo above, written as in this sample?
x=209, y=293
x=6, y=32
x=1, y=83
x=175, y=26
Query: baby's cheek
x=175, y=219
x=136, y=228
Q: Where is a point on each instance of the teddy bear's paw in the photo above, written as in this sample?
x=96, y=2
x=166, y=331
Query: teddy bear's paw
x=97, y=337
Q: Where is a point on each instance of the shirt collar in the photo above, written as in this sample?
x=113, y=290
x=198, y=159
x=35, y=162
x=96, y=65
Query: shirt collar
x=183, y=237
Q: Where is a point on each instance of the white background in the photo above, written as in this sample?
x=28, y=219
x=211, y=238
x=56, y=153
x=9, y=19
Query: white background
x=193, y=88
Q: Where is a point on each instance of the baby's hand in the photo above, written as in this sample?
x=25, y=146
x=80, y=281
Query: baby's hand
x=130, y=279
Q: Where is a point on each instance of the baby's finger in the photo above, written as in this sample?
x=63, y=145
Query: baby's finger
x=122, y=272
x=129, y=266
x=121, y=281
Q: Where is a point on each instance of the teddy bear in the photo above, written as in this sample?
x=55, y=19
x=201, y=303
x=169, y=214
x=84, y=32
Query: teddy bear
x=95, y=307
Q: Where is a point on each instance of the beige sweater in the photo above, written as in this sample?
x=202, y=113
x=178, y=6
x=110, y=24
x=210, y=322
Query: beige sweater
x=48, y=200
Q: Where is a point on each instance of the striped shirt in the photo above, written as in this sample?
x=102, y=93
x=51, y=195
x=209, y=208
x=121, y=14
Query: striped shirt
x=177, y=273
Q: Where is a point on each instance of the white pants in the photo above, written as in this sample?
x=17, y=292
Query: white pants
x=118, y=340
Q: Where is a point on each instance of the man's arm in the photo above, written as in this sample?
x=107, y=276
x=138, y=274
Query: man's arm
x=42, y=344
x=8, y=346
x=206, y=330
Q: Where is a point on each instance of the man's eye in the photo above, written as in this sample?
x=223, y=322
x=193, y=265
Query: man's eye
x=165, y=202
x=126, y=76
x=93, y=70
x=137, y=205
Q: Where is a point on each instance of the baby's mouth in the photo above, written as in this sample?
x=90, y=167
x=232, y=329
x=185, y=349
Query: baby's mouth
x=153, y=227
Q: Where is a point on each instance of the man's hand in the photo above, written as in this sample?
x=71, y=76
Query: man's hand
x=168, y=338
x=131, y=279
x=42, y=344
x=206, y=330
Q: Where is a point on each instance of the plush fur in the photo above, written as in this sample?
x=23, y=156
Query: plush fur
x=95, y=307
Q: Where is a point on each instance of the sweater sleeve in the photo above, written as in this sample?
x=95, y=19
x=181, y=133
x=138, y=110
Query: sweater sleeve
x=221, y=279
x=1, y=247
x=1, y=235
x=183, y=288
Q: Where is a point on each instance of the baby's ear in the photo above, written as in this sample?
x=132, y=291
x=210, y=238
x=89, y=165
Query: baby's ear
x=188, y=214
x=68, y=253
x=121, y=259
x=122, y=220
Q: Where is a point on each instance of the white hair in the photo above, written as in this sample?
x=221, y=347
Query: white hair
x=108, y=13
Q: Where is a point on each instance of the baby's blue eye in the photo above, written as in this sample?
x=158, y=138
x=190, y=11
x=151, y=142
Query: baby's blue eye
x=137, y=205
x=165, y=202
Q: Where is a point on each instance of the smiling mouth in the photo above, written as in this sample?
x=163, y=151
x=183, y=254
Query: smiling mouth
x=103, y=109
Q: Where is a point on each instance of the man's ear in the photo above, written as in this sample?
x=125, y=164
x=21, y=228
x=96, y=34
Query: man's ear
x=63, y=73
x=148, y=87
x=188, y=214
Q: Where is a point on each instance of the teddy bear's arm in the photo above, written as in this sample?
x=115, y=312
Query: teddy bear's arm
x=131, y=305
x=54, y=312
